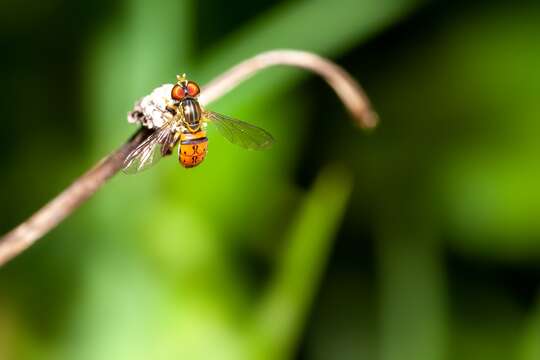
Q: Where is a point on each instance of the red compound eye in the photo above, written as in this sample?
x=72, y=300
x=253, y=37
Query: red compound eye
x=177, y=92
x=193, y=89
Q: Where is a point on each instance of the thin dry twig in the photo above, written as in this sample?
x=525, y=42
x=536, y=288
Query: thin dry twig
x=45, y=219
x=345, y=86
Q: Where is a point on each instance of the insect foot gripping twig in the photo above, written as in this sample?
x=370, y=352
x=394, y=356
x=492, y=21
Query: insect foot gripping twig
x=45, y=219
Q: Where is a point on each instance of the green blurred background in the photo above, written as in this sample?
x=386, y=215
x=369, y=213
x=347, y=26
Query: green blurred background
x=420, y=240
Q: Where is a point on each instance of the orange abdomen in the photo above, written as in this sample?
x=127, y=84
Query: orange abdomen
x=193, y=148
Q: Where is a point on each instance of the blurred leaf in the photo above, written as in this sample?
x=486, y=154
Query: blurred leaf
x=530, y=349
x=325, y=27
x=412, y=304
x=280, y=319
x=489, y=176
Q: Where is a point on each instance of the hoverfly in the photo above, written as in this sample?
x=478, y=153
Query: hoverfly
x=179, y=118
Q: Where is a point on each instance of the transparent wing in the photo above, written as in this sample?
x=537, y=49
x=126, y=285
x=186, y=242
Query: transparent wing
x=148, y=153
x=239, y=132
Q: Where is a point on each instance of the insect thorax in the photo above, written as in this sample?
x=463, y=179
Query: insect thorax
x=191, y=111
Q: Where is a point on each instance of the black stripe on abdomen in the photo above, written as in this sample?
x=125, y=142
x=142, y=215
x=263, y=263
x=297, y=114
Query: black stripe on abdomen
x=194, y=141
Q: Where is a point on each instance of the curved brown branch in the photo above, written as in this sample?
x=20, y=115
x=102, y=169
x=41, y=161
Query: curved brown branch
x=42, y=221
x=345, y=86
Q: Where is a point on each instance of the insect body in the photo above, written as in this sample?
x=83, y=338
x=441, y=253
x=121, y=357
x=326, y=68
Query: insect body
x=179, y=117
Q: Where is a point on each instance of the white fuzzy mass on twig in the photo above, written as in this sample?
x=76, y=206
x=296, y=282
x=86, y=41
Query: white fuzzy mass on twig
x=149, y=110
